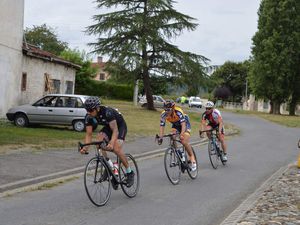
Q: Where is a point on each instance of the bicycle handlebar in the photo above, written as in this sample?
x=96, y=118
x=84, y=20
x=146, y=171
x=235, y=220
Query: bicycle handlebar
x=157, y=137
x=210, y=130
x=102, y=144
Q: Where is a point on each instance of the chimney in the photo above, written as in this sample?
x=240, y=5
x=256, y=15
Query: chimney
x=99, y=59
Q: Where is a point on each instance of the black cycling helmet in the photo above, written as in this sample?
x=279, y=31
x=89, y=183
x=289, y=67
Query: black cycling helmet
x=92, y=103
x=169, y=104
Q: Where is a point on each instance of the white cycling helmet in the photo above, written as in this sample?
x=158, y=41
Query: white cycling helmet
x=209, y=104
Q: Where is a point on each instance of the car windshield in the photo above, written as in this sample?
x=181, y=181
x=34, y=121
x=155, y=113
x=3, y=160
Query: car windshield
x=196, y=100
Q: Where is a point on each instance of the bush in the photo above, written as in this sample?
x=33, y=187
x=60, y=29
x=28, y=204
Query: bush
x=109, y=90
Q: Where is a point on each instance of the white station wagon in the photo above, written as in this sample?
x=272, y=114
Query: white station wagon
x=58, y=109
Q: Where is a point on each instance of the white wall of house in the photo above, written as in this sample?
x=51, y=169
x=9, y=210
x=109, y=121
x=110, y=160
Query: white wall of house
x=35, y=85
x=11, y=37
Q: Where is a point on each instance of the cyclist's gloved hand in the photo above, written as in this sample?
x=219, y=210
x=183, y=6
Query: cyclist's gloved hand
x=84, y=151
x=159, y=141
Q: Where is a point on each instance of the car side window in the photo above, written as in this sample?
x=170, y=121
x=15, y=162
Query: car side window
x=48, y=101
x=159, y=99
x=79, y=103
x=59, y=102
x=70, y=102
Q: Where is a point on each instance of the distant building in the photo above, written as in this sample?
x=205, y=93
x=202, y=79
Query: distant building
x=102, y=75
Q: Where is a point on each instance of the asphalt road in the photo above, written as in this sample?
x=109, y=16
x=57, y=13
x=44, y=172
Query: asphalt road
x=259, y=151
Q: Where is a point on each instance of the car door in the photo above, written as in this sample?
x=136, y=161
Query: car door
x=64, y=110
x=159, y=103
x=43, y=110
x=70, y=110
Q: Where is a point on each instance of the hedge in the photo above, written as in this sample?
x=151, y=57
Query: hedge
x=104, y=89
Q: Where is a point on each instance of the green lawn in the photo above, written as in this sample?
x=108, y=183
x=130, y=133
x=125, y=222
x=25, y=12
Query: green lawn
x=140, y=122
x=285, y=120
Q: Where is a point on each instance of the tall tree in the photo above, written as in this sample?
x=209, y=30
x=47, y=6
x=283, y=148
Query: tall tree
x=45, y=38
x=275, y=72
x=137, y=36
x=233, y=76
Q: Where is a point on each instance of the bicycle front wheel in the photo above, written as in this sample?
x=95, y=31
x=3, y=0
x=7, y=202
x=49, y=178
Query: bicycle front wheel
x=172, y=166
x=213, y=154
x=133, y=189
x=96, y=182
x=193, y=174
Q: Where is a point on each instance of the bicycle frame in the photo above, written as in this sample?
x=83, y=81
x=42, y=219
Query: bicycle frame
x=214, y=141
x=100, y=145
x=173, y=145
x=214, y=138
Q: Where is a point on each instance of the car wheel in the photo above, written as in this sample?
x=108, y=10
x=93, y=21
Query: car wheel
x=78, y=125
x=21, y=120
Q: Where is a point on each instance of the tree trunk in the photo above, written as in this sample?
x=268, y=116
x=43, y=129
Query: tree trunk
x=135, y=93
x=146, y=79
x=275, y=108
x=148, y=92
x=295, y=98
x=292, y=106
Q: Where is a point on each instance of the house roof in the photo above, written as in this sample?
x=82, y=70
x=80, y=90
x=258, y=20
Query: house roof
x=34, y=51
x=98, y=64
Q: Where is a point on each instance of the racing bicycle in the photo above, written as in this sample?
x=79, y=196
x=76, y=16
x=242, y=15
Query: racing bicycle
x=99, y=177
x=215, y=153
x=176, y=160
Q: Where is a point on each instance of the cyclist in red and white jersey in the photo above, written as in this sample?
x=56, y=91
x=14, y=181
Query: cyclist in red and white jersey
x=212, y=119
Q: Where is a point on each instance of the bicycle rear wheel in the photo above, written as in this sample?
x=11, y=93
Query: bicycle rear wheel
x=132, y=190
x=213, y=154
x=97, y=182
x=172, y=166
x=193, y=174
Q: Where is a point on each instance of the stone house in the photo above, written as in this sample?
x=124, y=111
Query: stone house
x=102, y=75
x=43, y=72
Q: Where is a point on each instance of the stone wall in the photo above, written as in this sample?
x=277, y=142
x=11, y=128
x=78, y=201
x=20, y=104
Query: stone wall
x=11, y=38
x=36, y=69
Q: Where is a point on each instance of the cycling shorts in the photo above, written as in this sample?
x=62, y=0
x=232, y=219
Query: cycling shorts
x=121, y=128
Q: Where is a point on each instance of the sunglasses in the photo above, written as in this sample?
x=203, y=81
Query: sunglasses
x=168, y=109
x=90, y=110
x=208, y=108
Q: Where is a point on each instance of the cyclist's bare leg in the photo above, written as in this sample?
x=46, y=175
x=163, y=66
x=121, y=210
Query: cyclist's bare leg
x=223, y=144
x=120, y=153
x=208, y=133
x=117, y=148
x=186, y=143
x=100, y=137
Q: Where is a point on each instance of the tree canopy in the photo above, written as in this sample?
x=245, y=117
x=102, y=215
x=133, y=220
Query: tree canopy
x=45, y=38
x=138, y=36
x=275, y=71
x=230, y=78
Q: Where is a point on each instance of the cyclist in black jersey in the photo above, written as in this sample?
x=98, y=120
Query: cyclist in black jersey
x=114, y=131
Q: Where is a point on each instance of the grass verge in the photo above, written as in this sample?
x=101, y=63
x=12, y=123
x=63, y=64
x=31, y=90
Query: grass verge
x=285, y=120
x=140, y=122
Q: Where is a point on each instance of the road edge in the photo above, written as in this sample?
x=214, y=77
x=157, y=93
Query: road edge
x=236, y=215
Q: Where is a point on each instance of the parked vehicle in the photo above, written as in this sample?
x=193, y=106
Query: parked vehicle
x=158, y=101
x=195, y=102
x=59, y=109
